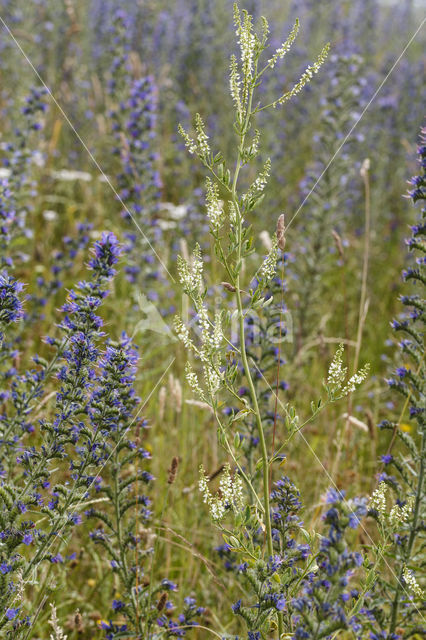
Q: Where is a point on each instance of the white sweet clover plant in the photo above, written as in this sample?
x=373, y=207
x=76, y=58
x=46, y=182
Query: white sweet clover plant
x=220, y=360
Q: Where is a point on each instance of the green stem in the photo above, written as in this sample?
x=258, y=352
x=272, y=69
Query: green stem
x=265, y=466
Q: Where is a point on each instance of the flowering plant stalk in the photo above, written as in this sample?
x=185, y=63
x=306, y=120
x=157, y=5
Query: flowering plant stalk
x=224, y=362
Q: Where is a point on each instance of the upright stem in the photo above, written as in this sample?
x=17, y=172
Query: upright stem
x=361, y=315
x=265, y=466
x=265, y=460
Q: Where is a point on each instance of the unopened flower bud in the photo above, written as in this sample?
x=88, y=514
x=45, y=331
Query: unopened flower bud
x=162, y=602
x=228, y=287
x=280, y=232
x=173, y=470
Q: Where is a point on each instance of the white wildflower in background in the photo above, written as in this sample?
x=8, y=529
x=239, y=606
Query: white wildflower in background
x=378, y=499
x=269, y=266
x=305, y=77
x=229, y=496
x=69, y=175
x=285, y=47
x=215, y=211
x=411, y=582
x=54, y=623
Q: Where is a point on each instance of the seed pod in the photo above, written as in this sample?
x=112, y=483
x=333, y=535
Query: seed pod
x=173, y=470
x=280, y=232
x=78, y=621
x=228, y=287
x=162, y=602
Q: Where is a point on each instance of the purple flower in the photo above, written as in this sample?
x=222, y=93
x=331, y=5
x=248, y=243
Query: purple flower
x=11, y=613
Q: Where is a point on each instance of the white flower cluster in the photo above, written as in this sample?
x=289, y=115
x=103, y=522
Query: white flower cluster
x=398, y=515
x=209, y=349
x=235, y=85
x=191, y=276
x=54, y=623
x=378, y=499
x=189, y=142
x=246, y=40
x=182, y=333
x=337, y=372
x=269, y=265
x=305, y=77
x=262, y=179
x=258, y=186
x=411, y=582
x=201, y=146
x=254, y=148
x=355, y=380
x=229, y=497
x=192, y=380
x=233, y=215
x=215, y=211
x=202, y=137
x=285, y=47
x=337, y=375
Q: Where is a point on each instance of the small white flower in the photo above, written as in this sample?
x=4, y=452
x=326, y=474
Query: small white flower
x=285, y=47
x=229, y=496
x=337, y=372
x=268, y=268
x=378, y=499
x=193, y=382
x=189, y=142
x=411, y=582
x=215, y=211
x=191, y=277
x=49, y=215
x=182, y=332
x=305, y=77
x=337, y=375
x=54, y=623
x=398, y=515
x=203, y=147
x=356, y=380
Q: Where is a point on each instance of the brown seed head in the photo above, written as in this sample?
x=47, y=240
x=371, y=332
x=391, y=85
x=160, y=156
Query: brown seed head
x=281, y=232
x=78, y=621
x=162, y=602
x=173, y=470
x=228, y=287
